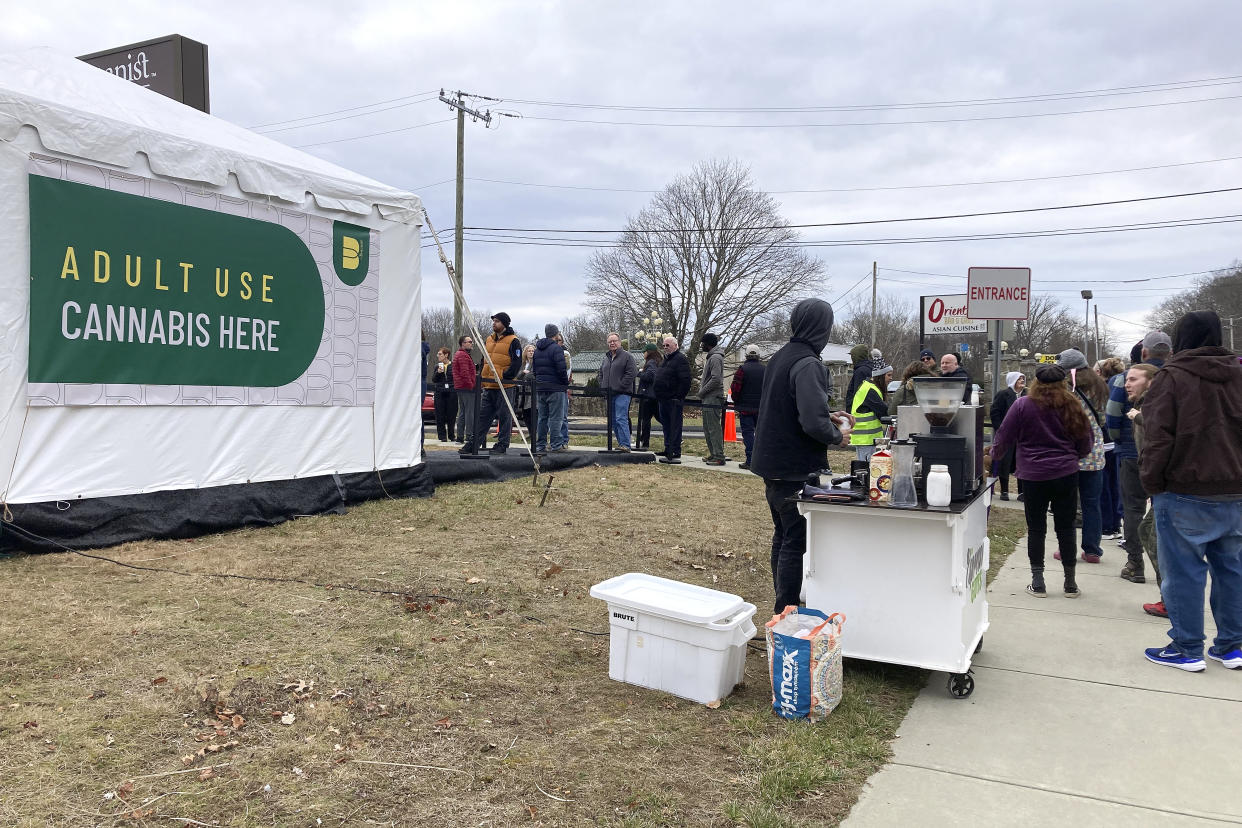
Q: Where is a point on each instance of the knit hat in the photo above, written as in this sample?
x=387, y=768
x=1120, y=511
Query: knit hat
x=860, y=354
x=1071, y=358
x=503, y=317
x=1050, y=374
x=1196, y=330
x=651, y=348
x=1012, y=377
x=879, y=367
x=550, y=330
x=709, y=340
x=1136, y=353
x=927, y=352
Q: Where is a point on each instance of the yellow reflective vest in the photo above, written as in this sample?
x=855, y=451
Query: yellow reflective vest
x=867, y=426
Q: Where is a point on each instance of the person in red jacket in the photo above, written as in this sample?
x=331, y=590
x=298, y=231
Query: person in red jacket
x=465, y=377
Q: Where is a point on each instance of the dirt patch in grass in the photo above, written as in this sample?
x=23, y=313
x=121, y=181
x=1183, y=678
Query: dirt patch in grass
x=474, y=692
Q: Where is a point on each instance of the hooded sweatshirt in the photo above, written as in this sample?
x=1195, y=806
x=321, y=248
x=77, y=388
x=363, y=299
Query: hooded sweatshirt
x=1192, y=425
x=794, y=427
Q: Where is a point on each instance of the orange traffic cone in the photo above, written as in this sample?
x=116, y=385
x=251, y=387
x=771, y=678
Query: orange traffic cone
x=730, y=427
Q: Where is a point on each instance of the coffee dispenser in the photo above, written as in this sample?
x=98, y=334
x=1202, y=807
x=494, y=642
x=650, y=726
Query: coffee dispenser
x=939, y=399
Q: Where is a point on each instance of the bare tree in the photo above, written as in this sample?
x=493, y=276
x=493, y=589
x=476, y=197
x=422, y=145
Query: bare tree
x=709, y=253
x=1050, y=328
x=438, y=327
x=896, y=328
x=1221, y=292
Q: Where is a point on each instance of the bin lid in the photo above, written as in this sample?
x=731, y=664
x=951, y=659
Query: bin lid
x=668, y=598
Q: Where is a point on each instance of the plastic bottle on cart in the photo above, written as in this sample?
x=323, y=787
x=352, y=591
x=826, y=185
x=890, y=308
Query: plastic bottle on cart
x=881, y=473
x=939, y=486
x=904, y=495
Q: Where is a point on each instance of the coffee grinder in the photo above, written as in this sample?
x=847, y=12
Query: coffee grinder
x=939, y=398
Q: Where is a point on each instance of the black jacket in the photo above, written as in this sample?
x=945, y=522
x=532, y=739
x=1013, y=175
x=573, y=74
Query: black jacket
x=1001, y=404
x=961, y=372
x=646, y=379
x=794, y=429
x=549, y=366
x=672, y=380
x=747, y=388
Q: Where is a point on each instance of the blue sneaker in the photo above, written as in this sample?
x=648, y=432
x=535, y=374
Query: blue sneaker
x=1231, y=658
x=1173, y=657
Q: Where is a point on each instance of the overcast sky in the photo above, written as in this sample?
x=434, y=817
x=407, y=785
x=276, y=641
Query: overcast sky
x=370, y=65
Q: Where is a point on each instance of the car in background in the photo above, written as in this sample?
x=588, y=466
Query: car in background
x=429, y=407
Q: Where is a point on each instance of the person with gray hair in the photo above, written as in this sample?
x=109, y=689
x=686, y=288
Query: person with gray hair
x=617, y=371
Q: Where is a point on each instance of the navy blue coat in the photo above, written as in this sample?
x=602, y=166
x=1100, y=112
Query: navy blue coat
x=549, y=365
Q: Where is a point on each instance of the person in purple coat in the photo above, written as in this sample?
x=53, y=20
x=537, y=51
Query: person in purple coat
x=1050, y=432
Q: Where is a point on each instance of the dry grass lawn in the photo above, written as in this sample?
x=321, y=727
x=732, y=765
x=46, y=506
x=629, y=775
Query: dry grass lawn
x=477, y=695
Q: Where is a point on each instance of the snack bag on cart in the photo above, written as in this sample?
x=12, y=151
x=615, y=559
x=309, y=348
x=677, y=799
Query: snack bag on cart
x=804, y=662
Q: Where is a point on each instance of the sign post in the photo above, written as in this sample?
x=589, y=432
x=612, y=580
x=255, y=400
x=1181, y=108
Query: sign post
x=998, y=293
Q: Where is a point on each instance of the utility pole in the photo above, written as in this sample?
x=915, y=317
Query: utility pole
x=1097, y=331
x=458, y=102
x=873, y=280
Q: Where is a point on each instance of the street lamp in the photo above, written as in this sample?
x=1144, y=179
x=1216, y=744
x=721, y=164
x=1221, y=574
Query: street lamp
x=1024, y=353
x=1086, y=322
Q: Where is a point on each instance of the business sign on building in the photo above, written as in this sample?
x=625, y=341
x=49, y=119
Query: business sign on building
x=173, y=66
x=947, y=315
x=998, y=292
x=145, y=292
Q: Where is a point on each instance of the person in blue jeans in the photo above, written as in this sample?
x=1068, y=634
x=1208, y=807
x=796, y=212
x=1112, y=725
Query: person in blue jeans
x=1092, y=394
x=1192, y=465
x=617, y=371
x=747, y=390
x=550, y=386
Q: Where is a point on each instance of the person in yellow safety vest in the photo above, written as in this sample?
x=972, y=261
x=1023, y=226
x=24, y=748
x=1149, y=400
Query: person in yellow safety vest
x=868, y=407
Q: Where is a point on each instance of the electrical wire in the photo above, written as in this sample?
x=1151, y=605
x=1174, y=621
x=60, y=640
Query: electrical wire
x=973, y=119
x=1167, y=86
x=344, y=117
x=1076, y=281
x=373, y=134
x=841, y=298
x=889, y=188
x=346, y=109
x=862, y=222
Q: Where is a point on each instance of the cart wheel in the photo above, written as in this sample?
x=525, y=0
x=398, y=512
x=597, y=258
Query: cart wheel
x=961, y=685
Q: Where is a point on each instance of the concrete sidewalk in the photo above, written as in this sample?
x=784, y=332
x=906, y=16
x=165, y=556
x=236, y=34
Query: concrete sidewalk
x=1068, y=724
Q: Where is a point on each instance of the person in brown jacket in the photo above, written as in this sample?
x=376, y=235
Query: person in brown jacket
x=1191, y=464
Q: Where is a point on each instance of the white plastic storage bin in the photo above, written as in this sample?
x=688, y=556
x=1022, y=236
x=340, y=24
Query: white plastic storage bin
x=680, y=638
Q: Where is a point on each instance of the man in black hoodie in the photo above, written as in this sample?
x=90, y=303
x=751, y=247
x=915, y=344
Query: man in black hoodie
x=792, y=436
x=1191, y=464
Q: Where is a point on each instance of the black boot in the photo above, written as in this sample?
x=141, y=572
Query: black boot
x=1036, y=587
x=1071, y=586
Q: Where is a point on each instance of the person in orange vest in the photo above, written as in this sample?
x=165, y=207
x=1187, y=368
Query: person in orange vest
x=505, y=349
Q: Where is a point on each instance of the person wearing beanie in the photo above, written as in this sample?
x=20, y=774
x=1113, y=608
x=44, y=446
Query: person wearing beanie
x=648, y=408
x=867, y=407
x=1191, y=465
x=1092, y=393
x=551, y=383
x=792, y=434
x=860, y=357
x=505, y=350
x=928, y=358
x=1152, y=349
x=1002, y=466
x=617, y=371
x=746, y=390
x=1050, y=433
x=712, y=395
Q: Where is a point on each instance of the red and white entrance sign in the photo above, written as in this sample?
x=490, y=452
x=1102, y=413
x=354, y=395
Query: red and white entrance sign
x=998, y=292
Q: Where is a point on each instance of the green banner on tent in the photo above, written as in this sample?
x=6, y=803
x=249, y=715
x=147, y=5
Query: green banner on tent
x=138, y=290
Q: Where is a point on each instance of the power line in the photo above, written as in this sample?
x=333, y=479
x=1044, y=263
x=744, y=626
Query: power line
x=347, y=117
x=973, y=119
x=871, y=221
x=373, y=134
x=346, y=109
x=1007, y=235
x=841, y=298
x=1168, y=86
x=1075, y=281
x=1026, y=180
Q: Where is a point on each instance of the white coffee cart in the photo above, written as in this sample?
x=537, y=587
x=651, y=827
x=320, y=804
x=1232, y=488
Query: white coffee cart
x=911, y=582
